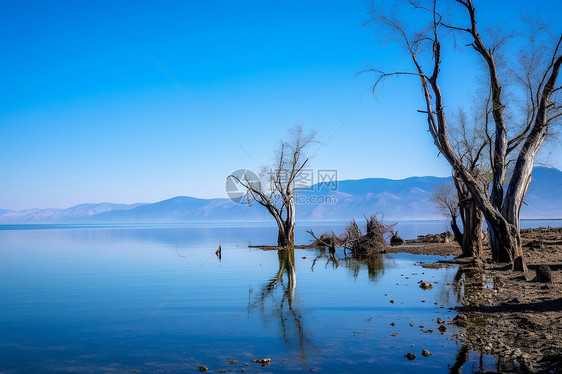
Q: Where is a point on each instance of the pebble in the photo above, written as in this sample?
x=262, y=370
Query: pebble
x=262, y=361
x=425, y=285
x=410, y=356
x=425, y=353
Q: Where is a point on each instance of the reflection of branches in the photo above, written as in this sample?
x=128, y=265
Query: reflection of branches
x=374, y=264
x=276, y=299
x=469, y=280
x=461, y=359
x=330, y=258
x=178, y=252
x=290, y=318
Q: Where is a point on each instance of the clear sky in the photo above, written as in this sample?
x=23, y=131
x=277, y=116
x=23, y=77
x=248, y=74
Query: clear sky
x=87, y=115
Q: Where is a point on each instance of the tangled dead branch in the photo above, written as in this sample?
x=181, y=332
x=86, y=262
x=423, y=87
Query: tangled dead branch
x=353, y=238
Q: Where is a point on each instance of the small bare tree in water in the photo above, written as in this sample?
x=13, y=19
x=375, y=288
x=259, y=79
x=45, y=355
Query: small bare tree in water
x=277, y=195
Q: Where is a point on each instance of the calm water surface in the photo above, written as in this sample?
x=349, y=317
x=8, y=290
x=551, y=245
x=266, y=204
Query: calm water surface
x=155, y=298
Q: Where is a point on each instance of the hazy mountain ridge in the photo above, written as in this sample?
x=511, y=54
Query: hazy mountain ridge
x=396, y=199
x=56, y=215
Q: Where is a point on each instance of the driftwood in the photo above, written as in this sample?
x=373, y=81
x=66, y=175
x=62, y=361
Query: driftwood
x=330, y=240
x=359, y=243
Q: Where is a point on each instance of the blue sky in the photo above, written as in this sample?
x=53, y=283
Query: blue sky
x=86, y=115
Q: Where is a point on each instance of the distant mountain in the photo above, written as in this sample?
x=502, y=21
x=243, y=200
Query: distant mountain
x=396, y=199
x=183, y=208
x=70, y=215
x=544, y=197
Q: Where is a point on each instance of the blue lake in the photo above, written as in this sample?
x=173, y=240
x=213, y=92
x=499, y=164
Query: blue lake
x=155, y=298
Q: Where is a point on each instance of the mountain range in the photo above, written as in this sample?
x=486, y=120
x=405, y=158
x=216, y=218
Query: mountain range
x=404, y=199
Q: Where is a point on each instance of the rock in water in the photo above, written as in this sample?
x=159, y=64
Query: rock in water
x=262, y=361
x=543, y=274
x=425, y=285
x=410, y=356
x=203, y=368
x=425, y=353
x=442, y=328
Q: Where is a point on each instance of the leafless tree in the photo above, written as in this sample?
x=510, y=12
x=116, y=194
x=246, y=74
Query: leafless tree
x=472, y=144
x=276, y=193
x=446, y=200
x=500, y=208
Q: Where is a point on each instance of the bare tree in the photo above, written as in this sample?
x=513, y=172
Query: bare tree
x=446, y=200
x=472, y=144
x=276, y=193
x=500, y=208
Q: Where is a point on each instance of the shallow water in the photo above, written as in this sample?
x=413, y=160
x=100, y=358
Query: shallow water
x=155, y=298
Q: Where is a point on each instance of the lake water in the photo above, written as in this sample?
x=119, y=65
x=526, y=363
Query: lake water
x=155, y=298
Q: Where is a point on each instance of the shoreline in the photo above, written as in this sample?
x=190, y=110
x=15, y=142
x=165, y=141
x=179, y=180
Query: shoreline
x=508, y=314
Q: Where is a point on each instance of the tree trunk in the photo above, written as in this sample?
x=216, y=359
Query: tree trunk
x=290, y=221
x=282, y=237
x=472, y=230
x=286, y=235
x=456, y=231
x=505, y=241
x=472, y=218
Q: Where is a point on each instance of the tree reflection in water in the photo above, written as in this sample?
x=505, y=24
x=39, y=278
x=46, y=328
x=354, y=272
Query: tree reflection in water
x=290, y=318
x=276, y=299
x=374, y=263
x=468, y=283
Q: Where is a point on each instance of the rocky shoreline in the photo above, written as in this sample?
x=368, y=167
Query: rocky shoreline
x=510, y=315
